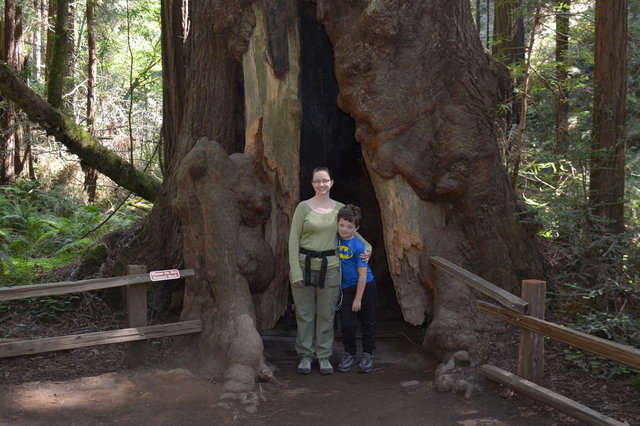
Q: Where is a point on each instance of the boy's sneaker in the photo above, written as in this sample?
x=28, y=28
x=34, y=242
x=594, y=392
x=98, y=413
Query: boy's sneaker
x=348, y=361
x=366, y=362
x=325, y=366
x=305, y=366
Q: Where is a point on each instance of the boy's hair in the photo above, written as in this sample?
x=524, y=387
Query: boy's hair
x=351, y=213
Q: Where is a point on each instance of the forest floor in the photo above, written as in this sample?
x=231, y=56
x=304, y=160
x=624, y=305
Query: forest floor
x=93, y=385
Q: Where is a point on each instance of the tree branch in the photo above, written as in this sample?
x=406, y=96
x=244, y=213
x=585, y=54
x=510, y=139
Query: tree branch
x=77, y=140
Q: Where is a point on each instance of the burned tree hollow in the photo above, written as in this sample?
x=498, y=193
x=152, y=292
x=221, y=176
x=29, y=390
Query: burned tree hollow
x=328, y=139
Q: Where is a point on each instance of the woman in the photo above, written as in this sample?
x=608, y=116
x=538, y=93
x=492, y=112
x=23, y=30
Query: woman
x=315, y=272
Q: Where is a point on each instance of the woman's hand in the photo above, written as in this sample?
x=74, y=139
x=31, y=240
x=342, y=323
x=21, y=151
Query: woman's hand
x=365, y=256
x=356, y=305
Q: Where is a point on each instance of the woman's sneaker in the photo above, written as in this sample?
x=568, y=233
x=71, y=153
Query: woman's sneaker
x=366, y=363
x=325, y=366
x=305, y=366
x=348, y=361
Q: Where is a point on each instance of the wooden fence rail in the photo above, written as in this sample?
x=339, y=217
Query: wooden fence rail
x=515, y=314
x=136, y=315
x=615, y=351
x=66, y=287
x=483, y=286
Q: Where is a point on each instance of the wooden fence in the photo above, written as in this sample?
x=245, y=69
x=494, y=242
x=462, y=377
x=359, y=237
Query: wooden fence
x=136, y=296
x=528, y=314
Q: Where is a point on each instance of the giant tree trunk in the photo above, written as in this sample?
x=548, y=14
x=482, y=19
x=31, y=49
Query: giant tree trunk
x=429, y=144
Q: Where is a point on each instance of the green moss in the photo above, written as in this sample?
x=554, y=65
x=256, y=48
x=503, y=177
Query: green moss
x=93, y=258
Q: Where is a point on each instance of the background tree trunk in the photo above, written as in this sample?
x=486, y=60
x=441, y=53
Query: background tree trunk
x=60, y=72
x=606, y=183
x=504, y=43
x=91, y=174
x=11, y=131
x=562, y=11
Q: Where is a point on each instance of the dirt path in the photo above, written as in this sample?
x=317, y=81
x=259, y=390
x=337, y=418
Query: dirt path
x=398, y=392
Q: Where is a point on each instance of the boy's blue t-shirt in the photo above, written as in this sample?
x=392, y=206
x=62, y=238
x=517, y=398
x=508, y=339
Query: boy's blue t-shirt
x=349, y=252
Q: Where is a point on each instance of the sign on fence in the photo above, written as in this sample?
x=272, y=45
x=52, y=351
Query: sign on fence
x=167, y=274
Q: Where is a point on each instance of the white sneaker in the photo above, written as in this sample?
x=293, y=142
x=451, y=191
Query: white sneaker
x=305, y=366
x=325, y=366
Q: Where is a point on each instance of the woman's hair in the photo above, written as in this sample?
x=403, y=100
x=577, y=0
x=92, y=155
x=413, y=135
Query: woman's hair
x=351, y=213
x=321, y=169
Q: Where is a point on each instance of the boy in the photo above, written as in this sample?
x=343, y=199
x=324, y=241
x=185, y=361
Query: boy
x=359, y=292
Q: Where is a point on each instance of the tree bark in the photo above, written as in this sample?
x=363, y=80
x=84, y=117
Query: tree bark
x=77, y=140
x=11, y=131
x=223, y=244
x=503, y=47
x=90, y=174
x=219, y=208
x=48, y=54
x=434, y=163
x=606, y=183
x=562, y=12
x=273, y=121
x=60, y=72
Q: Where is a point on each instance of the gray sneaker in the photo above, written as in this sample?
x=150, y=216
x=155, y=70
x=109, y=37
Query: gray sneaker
x=325, y=366
x=305, y=366
x=366, y=363
x=348, y=361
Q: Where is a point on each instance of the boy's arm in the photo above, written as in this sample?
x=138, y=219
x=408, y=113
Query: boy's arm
x=362, y=282
x=367, y=249
x=367, y=246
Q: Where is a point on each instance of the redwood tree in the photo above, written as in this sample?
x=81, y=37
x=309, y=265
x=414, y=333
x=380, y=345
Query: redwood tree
x=234, y=110
x=606, y=183
x=11, y=131
x=562, y=12
x=433, y=161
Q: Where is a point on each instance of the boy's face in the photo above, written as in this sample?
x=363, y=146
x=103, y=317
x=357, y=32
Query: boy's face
x=346, y=229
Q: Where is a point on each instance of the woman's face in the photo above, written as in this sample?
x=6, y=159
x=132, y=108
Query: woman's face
x=322, y=182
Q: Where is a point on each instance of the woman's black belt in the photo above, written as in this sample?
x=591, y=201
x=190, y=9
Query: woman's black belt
x=323, y=267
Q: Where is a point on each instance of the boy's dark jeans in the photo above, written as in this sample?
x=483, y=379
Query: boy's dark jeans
x=366, y=315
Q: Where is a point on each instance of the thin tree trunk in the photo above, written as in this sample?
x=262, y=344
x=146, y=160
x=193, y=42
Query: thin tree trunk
x=11, y=132
x=503, y=31
x=478, y=16
x=51, y=19
x=522, y=125
x=37, y=39
x=74, y=137
x=488, y=25
x=59, y=71
x=562, y=12
x=90, y=174
x=606, y=189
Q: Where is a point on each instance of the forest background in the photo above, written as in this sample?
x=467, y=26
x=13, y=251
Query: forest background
x=54, y=209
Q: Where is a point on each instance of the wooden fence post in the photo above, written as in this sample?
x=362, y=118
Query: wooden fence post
x=531, y=350
x=136, y=315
